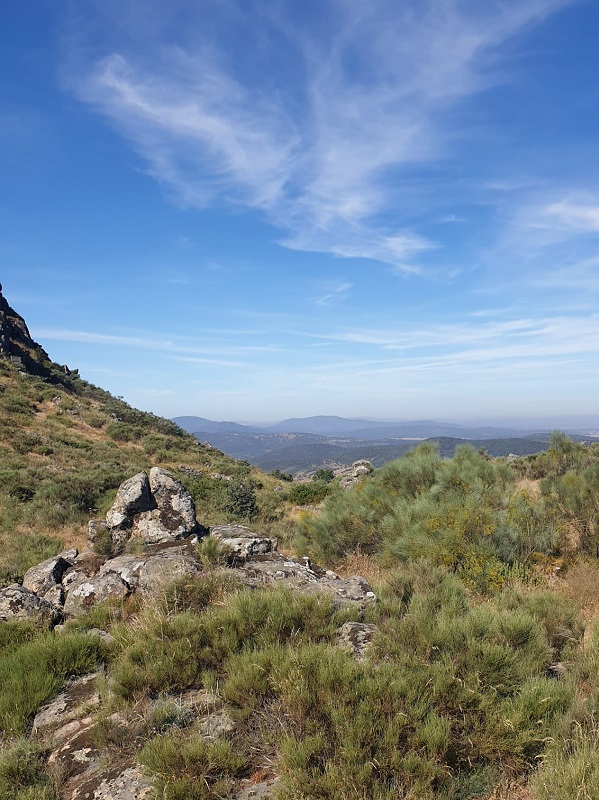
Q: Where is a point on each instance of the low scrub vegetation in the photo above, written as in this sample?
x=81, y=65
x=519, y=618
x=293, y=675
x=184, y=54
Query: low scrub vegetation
x=472, y=514
x=457, y=692
x=33, y=668
x=480, y=676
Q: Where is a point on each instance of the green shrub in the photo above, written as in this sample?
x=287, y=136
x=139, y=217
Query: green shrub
x=281, y=476
x=211, y=552
x=18, y=553
x=570, y=769
x=240, y=500
x=323, y=474
x=303, y=494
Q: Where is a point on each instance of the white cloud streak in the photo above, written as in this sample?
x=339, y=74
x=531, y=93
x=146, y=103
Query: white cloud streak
x=314, y=155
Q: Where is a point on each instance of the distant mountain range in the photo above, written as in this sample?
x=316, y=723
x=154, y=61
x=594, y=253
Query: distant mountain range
x=304, y=444
x=354, y=428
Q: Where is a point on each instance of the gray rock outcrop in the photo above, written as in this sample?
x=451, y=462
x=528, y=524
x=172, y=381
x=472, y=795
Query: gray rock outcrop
x=17, y=602
x=85, y=592
x=71, y=583
x=242, y=543
x=133, y=497
x=45, y=576
x=75, y=700
x=150, y=510
x=359, y=470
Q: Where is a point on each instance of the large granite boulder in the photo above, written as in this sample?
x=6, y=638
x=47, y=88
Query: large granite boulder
x=151, y=510
x=174, y=514
x=45, y=576
x=133, y=497
x=18, y=603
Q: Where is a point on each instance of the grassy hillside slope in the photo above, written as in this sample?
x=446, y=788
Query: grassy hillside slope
x=66, y=445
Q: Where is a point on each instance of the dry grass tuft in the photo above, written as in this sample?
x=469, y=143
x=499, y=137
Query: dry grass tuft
x=579, y=583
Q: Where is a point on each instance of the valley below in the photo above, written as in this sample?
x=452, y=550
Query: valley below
x=294, y=450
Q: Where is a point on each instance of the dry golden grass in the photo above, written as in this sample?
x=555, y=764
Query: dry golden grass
x=364, y=565
x=580, y=583
x=530, y=486
x=510, y=791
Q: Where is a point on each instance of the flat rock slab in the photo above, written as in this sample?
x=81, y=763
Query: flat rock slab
x=90, y=775
x=241, y=542
x=130, y=784
x=274, y=567
x=357, y=638
x=76, y=755
x=75, y=701
x=355, y=590
x=264, y=790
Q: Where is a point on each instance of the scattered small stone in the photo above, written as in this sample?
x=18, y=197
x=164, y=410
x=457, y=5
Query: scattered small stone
x=357, y=638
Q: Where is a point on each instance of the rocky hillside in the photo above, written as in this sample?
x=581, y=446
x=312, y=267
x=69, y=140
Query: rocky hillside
x=66, y=445
x=434, y=635
x=179, y=663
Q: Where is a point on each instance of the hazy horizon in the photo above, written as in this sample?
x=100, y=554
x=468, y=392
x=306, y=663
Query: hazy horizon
x=544, y=423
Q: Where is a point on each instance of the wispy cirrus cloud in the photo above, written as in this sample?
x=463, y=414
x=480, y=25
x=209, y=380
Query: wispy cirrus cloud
x=336, y=291
x=318, y=139
x=569, y=216
x=182, y=350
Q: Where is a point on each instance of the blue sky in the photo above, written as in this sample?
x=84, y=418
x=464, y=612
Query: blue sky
x=256, y=209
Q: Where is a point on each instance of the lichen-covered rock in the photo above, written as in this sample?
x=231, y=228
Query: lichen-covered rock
x=171, y=515
x=357, y=638
x=43, y=577
x=133, y=497
x=161, y=569
x=17, y=602
x=130, y=784
x=77, y=698
x=128, y=568
x=177, y=509
x=241, y=542
x=85, y=592
x=88, y=775
x=55, y=596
